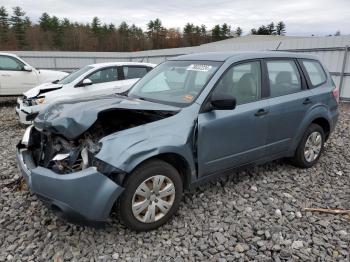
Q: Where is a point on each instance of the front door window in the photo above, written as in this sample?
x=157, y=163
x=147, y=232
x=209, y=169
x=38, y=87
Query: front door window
x=9, y=63
x=242, y=81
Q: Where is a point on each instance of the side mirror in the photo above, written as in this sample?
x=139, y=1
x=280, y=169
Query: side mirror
x=86, y=82
x=222, y=102
x=27, y=68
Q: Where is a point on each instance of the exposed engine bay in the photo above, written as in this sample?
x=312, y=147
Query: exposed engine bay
x=65, y=156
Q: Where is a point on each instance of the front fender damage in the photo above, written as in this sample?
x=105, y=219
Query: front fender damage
x=127, y=149
x=69, y=136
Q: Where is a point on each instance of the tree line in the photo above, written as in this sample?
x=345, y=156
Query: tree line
x=18, y=32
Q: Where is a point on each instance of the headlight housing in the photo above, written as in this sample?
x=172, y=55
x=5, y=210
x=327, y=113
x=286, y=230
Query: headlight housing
x=40, y=100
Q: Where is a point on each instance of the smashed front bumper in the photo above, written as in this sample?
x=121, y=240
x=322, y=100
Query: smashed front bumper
x=84, y=196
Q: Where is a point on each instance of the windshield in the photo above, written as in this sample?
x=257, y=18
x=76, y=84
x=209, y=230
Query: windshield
x=74, y=75
x=175, y=82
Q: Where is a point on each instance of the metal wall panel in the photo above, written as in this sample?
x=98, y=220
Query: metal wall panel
x=336, y=80
x=345, y=92
x=330, y=50
x=347, y=67
x=71, y=64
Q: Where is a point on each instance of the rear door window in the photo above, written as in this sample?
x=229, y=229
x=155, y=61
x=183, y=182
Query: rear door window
x=315, y=72
x=283, y=76
x=104, y=75
x=131, y=72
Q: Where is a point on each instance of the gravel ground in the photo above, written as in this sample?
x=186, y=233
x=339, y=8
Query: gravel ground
x=257, y=214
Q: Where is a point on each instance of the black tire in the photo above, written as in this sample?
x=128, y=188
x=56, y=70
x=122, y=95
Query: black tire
x=135, y=179
x=299, y=157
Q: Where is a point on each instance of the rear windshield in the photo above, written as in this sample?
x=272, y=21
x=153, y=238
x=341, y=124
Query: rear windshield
x=315, y=71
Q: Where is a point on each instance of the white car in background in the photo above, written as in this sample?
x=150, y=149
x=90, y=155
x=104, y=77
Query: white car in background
x=17, y=76
x=89, y=81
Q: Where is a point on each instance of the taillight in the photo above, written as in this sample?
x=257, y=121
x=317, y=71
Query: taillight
x=335, y=93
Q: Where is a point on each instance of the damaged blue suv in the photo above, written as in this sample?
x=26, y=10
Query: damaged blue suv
x=191, y=119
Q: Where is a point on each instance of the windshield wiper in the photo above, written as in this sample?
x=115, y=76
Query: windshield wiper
x=143, y=99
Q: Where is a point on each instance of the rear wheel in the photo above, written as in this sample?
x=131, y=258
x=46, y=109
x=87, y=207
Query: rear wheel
x=152, y=195
x=310, y=147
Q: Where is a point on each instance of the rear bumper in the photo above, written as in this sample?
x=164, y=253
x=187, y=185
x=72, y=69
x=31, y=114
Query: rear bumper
x=86, y=196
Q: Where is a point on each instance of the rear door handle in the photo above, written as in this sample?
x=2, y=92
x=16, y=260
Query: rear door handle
x=261, y=112
x=307, y=101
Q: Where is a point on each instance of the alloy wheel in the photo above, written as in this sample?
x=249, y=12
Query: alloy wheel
x=313, y=146
x=153, y=199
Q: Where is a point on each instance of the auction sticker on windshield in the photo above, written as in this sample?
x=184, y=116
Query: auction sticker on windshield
x=198, y=67
x=188, y=98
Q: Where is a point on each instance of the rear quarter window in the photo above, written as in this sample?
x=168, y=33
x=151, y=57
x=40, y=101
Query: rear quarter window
x=315, y=72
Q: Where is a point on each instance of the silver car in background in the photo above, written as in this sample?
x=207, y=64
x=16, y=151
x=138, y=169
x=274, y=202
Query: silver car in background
x=90, y=81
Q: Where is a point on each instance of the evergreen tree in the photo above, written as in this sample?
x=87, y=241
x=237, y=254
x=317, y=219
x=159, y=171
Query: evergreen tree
x=19, y=25
x=263, y=30
x=216, y=33
x=238, y=32
x=27, y=22
x=54, y=24
x=203, y=30
x=253, y=31
x=189, y=28
x=156, y=32
x=158, y=25
x=18, y=32
x=188, y=35
x=150, y=28
x=96, y=25
x=197, y=30
x=271, y=28
x=45, y=21
x=57, y=30
x=4, y=25
x=65, y=23
x=225, y=31
x=281, y=28
x=123, y=28
x=136, y=32
x=111, y=28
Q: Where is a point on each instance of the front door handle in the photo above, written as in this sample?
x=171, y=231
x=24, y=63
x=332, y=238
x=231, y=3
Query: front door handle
x=261, y=112
x=307, y=101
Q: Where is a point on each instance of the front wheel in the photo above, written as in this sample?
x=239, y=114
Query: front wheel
x=152, y=195
x=310, y=147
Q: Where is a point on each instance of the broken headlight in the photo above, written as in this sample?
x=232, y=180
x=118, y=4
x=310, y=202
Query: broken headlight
x=40, y=100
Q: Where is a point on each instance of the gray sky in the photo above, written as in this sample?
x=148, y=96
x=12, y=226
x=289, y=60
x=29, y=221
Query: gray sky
x=303, y=17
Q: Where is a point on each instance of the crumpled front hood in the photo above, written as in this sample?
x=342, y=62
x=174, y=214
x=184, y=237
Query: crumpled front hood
x=36, y=90
x=72, y=118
